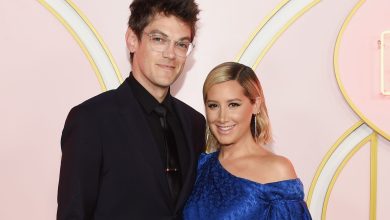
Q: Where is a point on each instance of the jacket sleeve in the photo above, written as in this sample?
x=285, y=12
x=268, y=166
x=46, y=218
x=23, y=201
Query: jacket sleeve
x=80, y=166
x=201, y=129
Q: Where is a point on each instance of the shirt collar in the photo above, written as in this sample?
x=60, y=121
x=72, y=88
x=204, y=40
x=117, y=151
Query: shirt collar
x=147, y=101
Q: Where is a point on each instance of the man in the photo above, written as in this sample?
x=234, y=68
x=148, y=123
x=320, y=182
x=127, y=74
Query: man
x=122, y=156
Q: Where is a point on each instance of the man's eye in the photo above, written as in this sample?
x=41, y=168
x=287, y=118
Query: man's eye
x=183, y=45
x=158, y=39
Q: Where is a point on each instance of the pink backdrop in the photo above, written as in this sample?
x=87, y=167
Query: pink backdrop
x=44, y=73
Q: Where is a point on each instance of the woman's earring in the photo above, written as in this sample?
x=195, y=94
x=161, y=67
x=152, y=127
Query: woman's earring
x=254, y=117
x=207, y=134
x=255, y=123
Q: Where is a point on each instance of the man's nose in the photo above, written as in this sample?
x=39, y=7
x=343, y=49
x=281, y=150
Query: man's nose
x=169, y=51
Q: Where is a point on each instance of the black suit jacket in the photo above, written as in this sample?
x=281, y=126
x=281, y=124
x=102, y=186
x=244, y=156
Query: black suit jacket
x=111, y=167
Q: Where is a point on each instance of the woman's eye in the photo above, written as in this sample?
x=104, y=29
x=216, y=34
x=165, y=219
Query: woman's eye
x=212, y=106
x=234, y=105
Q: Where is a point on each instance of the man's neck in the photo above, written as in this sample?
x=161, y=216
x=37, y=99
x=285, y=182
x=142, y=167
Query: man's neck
x=159, y=93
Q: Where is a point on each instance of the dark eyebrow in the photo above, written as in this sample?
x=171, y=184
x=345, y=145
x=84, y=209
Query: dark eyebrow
x=165, y=35
x=185, y=38
x=158, y=32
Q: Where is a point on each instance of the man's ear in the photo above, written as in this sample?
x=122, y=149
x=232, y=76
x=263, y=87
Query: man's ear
x=131, y=40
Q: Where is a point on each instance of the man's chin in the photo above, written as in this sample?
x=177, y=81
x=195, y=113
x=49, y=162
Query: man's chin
x=168, y=82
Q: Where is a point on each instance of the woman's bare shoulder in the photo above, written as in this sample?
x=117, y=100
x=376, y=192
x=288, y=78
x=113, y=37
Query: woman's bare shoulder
x=273, y=168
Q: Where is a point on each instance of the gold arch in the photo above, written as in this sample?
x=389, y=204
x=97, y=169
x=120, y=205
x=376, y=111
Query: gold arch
x=327, y=157
x=81, y=44
x=259, y=27
x=373, y=173
x=99, y=38
x=373, y=169
x=278, y=34
x=337, y=73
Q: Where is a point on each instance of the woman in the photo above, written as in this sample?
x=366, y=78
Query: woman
x=241, y=179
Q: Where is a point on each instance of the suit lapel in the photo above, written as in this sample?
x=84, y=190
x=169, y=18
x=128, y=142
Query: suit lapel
x=189, y=175
x=139, y=132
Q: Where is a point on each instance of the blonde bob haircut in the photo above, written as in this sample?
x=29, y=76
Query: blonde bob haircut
x=247, y=78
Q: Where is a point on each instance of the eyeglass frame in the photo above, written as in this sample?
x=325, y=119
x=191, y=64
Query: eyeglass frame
x=191, y=46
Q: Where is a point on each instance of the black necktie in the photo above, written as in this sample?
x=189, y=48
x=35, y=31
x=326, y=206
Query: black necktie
x=172, y=166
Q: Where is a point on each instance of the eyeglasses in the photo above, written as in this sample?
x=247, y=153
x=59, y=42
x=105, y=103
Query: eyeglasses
x=160, y=43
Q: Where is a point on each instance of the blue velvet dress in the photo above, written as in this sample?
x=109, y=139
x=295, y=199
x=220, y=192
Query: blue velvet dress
x=218, y=194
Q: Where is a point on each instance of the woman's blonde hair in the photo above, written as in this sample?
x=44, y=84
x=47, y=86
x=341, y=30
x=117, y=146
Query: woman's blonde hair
x=247, y=78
